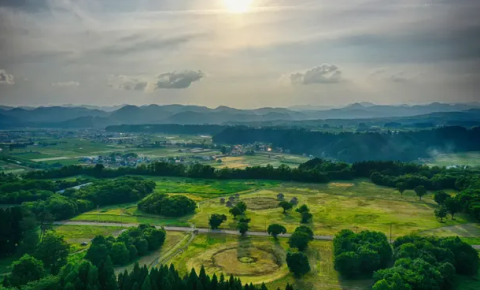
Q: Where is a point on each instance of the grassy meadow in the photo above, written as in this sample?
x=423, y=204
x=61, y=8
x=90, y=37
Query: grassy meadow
x=356, y=205
x=261, y=259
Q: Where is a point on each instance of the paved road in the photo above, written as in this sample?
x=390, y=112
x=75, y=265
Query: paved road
x=200, y=230
x=184, y=229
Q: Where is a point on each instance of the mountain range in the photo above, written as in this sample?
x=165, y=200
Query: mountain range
x=70, y=116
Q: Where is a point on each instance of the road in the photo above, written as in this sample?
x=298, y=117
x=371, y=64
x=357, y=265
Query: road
x=184, y=229
x=200, y=230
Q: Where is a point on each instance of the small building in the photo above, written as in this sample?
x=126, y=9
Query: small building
x=229, y=204
x=280, y=196
x=222, y=200
x=237, y=196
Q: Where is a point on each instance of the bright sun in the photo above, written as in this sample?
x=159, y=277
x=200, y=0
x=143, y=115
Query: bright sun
x=237, y=6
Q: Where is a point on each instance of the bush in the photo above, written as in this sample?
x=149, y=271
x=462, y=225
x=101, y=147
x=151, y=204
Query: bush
x=298, y=264
x=162, y=204
x=360, y=253
x=119, y=253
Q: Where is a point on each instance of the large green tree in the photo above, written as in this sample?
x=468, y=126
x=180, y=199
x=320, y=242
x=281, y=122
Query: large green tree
x=216, y=220
x=53, y=251
x=275, y=229
x=298, y=264
x=285, y=205
x=25, y=270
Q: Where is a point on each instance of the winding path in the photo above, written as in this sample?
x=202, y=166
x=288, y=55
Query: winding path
x=191, y=229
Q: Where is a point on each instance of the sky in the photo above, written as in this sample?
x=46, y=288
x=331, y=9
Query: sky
x=238, y=53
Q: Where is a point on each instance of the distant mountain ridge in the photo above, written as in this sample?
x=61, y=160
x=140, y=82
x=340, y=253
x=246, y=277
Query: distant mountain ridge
x=71, y=116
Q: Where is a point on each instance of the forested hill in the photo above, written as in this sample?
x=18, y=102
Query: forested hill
x=353, y=147
x=168, y=129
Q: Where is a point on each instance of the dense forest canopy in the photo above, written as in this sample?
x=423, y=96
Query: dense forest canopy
x=353, y=147
x=168, y=129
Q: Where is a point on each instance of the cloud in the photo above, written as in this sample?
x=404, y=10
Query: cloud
x=383, y=74
x=177, y=79
x=6, y=78
x=70, y=84
x=127, y=83
x=169, y=80
x=323, y=74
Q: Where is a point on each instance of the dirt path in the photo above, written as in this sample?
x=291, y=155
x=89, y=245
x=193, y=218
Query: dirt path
x=192, y=230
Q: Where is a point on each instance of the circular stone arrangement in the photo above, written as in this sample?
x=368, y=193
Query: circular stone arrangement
x=260, y=203
x=253, y=263
x=246, y=262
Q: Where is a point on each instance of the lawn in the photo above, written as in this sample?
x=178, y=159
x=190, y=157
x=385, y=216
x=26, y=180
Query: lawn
x=259, y=259
x=357, y=205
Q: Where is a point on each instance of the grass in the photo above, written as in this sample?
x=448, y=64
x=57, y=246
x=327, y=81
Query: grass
x=74, y=232
x=274, y=159
x=355, y=205
x=259, y=259
x=450, y=159
x=208, y=188
x=172, y=239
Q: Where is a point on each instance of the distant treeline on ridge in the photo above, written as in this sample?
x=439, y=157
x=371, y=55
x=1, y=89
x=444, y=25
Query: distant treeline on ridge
x=354, y=147
x=167, y=129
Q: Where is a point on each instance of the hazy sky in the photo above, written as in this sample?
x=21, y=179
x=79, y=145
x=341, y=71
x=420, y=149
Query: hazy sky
x=240, y=53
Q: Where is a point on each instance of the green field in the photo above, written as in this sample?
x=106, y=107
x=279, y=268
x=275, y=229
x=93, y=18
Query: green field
x=68, y=151
x=452, y=159
x=261, y=259
x=358, y=205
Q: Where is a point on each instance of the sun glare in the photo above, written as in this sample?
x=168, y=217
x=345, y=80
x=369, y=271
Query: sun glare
x=238, y=6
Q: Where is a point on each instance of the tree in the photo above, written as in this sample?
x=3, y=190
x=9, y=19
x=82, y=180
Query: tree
x=401, y=187
x=452, y=206
x=298, y=264
x=299, y=240
x=238, y=209
x=306, y=217
x=216, y=220
x=147, y=284
x=347, y=263
x=441, y=213
x=106, y=275
x=243, y=226
x=25, y=270
x=119, y=253
x=223, y=149
x=53, y=251
x=98, y=251
x=285, y=205
x=440, y=197
x=420, y=191
x=275, y=229
x=303, y=208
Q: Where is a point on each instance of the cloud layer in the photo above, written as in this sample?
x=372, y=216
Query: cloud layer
x=6, y=78
x=69, y=84
x=169, y=80
x=323, y=74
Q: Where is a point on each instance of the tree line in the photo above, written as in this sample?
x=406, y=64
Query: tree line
x=167, y=129
x=354, y=147
x=101, y=192
x=419, y=263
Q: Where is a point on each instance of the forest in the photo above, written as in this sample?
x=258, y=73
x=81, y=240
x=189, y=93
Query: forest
x=354, y=147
